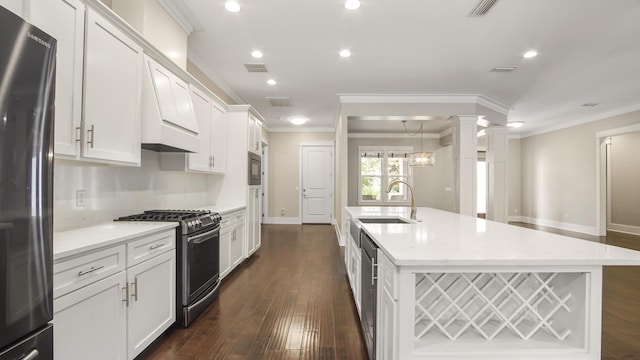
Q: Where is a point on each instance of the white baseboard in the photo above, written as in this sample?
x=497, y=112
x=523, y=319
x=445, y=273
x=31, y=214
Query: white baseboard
x=590, y=230
x=627, y=229
x=338, y=234
x=515, y=218
x=282, y=220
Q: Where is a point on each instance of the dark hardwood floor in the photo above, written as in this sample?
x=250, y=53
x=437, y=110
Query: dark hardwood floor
x=291, y=300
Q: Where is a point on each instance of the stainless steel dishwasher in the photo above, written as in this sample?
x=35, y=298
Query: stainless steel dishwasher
x=369, y=291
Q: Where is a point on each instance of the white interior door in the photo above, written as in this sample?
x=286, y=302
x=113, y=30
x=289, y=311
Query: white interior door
x=317, y=184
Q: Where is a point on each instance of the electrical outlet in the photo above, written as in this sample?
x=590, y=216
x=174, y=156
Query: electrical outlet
x=80, y=198
x=515, y=210
x=282, y=212
x=566, y=216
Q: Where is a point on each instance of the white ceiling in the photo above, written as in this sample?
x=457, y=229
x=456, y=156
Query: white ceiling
x=589, y=51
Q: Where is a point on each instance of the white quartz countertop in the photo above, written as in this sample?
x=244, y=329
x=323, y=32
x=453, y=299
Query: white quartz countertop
x=73, y=242
x=444, y=238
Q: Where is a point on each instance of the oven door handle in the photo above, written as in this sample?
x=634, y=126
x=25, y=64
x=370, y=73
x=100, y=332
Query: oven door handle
x=202, y=237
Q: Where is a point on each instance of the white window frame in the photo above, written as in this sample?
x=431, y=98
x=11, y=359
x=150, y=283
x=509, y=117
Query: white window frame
x=384, y=151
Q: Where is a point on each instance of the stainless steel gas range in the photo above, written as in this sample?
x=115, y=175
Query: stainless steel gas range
x=198, y=258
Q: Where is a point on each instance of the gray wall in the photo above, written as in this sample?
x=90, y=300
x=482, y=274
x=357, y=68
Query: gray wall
x=559, y=173
x=625, y=179
x=429, y=183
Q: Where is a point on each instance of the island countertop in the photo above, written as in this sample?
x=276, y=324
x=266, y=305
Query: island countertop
x=442, y=238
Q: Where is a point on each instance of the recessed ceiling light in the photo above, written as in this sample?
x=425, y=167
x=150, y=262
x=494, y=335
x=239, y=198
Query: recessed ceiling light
x=589, y=104
x=271, y=82
x=530, y=54
x=482, y=133
x=345, y=53
x=515, y=124
x=232, y=6
x=256, y=54
x=298, y=120
x=352, y=4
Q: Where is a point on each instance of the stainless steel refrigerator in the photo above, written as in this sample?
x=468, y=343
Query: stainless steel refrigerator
x=27, y=77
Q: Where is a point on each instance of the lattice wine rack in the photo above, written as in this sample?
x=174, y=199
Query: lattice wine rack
x=490, y=305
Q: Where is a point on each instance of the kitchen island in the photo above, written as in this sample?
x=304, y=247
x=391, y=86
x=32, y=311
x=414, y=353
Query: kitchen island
x=456, y=287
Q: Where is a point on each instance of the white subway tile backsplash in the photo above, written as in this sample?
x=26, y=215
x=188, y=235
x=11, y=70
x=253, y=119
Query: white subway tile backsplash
x=112, y=191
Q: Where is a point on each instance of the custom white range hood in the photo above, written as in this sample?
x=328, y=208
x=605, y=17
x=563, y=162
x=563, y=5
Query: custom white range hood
x=169, y=123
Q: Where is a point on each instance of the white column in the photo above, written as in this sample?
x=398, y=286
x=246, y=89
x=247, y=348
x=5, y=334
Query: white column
x=465, y=157
x=497, y=149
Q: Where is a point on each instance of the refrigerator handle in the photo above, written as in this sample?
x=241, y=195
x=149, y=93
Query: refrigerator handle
x=31, y=355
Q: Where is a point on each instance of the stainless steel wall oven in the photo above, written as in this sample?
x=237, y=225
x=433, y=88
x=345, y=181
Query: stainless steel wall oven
x=197, y=258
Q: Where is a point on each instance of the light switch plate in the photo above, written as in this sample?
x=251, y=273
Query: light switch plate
x=80, y=198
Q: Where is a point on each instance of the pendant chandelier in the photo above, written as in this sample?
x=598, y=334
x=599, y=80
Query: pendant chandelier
x=422, y=158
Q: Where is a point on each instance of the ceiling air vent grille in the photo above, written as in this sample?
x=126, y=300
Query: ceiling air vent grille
x=280, y=101
x=504, y=68
x=482, y=8
x=256, y=68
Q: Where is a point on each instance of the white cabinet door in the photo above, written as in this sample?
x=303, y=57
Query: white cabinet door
x=255, y=134
x=112, y=93
x=152, y=306
x=226, y=235
x=237, y=245
x=64, y=20
x=201, y=161
x=254, y=212
x=386, y=325
x=91, y=323
x=218, y=140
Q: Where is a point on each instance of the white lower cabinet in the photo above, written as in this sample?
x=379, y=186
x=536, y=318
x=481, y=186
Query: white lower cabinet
x=254, y=219
x=102, y=315
x=91, y=323
x=231, y=241
x=354, y=270
x=152, y=301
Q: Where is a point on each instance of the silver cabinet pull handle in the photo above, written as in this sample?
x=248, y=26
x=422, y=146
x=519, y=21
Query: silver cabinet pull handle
x=374, y=277
x=134, y=295
x=213, y=161
x=85, y=272
x=153, y=247
x=31, y=355
x=126, y=294
x=92, y=131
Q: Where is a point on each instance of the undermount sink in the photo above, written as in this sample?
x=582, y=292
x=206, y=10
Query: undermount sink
x=384, y=221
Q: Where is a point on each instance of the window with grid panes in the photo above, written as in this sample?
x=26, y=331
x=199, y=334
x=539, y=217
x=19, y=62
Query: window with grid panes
x=379, y=166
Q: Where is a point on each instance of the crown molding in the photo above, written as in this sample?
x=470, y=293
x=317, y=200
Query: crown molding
x=425, y=99
x=601, y=116
x=391, y=136
x=301, y=130
x=181, y=15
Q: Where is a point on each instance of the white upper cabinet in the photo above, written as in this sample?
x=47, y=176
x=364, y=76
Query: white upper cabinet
x=212, y=153
x=255, y=135
x=219, y=137
x=201, y=160
x=112, y=93
x=64, y=20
